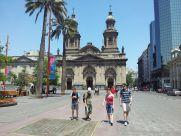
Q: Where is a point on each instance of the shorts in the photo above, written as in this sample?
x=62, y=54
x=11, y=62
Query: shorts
x=75, y=106
x=126, y=107
x=88, y=109
x=109, y=109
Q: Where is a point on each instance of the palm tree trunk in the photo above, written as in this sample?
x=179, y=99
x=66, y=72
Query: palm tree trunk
x=48, y=66
x=41, y=56
x=63, y=79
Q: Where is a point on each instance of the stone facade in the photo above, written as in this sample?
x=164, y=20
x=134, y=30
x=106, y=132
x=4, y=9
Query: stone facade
x=91, y=67
x=175, y=68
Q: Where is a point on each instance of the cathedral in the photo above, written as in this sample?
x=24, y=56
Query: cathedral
x=92, y=67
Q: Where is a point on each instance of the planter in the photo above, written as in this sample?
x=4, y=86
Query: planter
x=9, y=93
x=5, y=102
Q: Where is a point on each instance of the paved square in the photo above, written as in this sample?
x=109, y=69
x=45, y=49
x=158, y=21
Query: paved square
x=152, y=114
x=59, y=127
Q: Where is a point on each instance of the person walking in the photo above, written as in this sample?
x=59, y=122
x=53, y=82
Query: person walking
x=87, y=99
x=109, y=100
x=126, y=100
x=75, y=103
x=113, y=90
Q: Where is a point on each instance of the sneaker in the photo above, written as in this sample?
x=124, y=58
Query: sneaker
x=125, y=123
x=72, y=118
x=111, y=124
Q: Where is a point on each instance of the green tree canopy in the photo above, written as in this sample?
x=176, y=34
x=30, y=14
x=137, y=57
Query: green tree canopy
x=2, y=77
x=129, y=78
x=57, y=7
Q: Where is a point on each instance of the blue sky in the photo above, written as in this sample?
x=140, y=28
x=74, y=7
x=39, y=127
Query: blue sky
x=132, y=22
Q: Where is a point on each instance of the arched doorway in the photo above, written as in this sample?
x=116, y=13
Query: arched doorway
x=69, y=83
x=89, y=82
x=89, y=74
x=110, y=82
x=110, y=76
x=70, y=77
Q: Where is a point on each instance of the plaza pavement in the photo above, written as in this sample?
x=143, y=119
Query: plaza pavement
x=152, y=114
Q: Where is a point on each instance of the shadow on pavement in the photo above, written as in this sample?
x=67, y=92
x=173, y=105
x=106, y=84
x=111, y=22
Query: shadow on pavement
x=106, y=121
x=120, y=121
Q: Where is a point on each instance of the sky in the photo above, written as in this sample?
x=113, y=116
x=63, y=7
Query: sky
x=133, y=18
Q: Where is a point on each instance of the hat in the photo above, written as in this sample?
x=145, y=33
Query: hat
x=89, y=89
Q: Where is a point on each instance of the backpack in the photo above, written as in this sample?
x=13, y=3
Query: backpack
x=86, y=96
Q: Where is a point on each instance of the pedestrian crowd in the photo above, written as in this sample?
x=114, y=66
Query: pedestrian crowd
x=125, y=102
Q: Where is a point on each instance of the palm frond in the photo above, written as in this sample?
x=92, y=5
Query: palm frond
x=31, y=6
x=38, y=13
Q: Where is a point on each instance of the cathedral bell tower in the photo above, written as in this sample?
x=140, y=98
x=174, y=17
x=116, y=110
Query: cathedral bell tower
x=110, y=35
x=72, y=44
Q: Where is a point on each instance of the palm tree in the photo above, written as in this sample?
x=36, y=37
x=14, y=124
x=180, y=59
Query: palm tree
x=57, y=7
x=68, y=28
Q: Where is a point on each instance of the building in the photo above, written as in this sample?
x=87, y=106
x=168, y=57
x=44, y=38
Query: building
x=92, y=67
x=165, y=35
x=154, y=50
x=143, y=70
x=175, y=68
x=27, y=62
x=87, y=66
x=168, y=27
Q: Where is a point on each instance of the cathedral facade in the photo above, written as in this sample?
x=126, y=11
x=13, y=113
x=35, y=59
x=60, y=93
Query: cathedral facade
x=92, y=67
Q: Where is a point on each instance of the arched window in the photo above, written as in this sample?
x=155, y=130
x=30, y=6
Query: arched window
x=110, y=41
x=69, y=73
x=110, y=72
x=89, y=71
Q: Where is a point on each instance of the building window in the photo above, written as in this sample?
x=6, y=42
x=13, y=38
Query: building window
x=110, y=40
x=71, y=42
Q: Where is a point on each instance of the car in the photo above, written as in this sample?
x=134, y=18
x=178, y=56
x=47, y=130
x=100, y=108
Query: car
x=135, y=88
x=174, y=92
x=166, y=89
x=159, y=90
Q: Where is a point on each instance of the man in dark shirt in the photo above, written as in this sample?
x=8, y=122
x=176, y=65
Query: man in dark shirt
x=125, y=99
x=75, y=103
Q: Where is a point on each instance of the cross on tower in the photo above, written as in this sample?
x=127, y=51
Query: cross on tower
x=110, y=7
x=73, y=10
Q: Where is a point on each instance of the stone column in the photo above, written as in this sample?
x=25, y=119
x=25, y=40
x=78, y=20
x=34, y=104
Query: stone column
x=118, y=75
x=100, y=77
x=123, y=74
x=78, y=77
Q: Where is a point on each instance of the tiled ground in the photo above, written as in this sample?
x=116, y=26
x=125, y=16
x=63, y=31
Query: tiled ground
x=152, y=114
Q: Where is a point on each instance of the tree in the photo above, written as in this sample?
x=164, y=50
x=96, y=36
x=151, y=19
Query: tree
x=68, y=28
x=22, y=79
x=3, y=62
x=35, y=73
x=57, y=7
x=11, y=77
x=2, y=77
x=129, y=78
x=1, y=48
